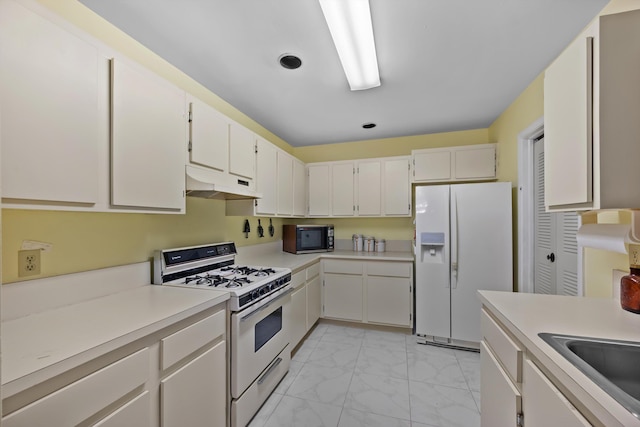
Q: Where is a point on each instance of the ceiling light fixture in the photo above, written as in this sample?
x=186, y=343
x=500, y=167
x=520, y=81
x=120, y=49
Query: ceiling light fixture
x=349, y=22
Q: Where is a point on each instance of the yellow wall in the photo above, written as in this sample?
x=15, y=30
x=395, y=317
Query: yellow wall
x=399, y=146
x=381, y=228
x=88, y=240
x=598, y=271
x=526, y=109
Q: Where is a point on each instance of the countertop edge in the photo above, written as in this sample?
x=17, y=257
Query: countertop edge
x=591, y=398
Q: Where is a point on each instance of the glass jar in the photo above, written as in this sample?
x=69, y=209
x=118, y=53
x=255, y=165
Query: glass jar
x=630, y=284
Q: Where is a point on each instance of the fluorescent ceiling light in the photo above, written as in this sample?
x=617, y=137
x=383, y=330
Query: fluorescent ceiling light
x=349, y=22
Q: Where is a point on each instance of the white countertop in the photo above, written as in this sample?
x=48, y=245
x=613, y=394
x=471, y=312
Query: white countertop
x=42, y=344
x=39, y=346
x=526, y=315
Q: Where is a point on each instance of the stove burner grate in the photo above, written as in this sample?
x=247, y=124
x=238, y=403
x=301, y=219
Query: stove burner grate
x=237, y=282
x=206, y=280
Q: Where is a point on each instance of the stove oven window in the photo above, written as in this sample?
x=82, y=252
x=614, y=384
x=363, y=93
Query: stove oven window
x=267, y=328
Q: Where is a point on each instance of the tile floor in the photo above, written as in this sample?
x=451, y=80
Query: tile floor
x=344, y=376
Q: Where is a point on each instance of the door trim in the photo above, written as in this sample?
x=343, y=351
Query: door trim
x=526, y=248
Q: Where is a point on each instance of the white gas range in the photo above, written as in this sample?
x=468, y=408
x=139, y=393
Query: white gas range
x=259, y=308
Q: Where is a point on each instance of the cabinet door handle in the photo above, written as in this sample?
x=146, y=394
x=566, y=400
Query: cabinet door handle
x=551, y=257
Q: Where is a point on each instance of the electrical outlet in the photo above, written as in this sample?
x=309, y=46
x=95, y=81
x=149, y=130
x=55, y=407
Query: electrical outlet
x=28, y=262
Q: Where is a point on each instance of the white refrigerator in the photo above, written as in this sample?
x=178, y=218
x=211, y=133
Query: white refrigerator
x=463, y=244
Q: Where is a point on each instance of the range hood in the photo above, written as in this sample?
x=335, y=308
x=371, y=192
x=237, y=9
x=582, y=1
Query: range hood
x=206, y=185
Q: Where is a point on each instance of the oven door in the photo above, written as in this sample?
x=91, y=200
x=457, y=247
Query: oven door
x=258, y=334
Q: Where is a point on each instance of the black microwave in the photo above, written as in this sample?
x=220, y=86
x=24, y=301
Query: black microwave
x=305, y=239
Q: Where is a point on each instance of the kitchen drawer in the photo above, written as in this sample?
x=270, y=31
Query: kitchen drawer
x=342, y=266
x=242, y=409
x=177, y=346
x=133, y=413
x=501, y=400
x=85, y=397
x=506, y=349
x=298, y=278
x=313, y=271
x=389, y=269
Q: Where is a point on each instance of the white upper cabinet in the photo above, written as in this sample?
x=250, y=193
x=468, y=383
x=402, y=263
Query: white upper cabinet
x=49, y=103
x=369, y=179
x=299, y=188
x=432, y=165
x=148, y=139
x=462, y=163
x=285, y=184
x=319, y=179
x=208, y=137
x=591, y=103
x=242, y=153
x=396, y=186
x=281, y=180
x=342, y=189
x=568, y=126
x=368, y=187
x=266, y=178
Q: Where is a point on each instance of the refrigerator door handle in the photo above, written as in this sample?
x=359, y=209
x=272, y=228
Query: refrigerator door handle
x=454, y=239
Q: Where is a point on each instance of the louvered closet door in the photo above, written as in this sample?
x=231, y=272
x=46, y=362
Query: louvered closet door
x=556, y=248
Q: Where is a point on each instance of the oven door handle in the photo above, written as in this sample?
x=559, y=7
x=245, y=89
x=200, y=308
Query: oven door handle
x=258, y=310
x=271, y=368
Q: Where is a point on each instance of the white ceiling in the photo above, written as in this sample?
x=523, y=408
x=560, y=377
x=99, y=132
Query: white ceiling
x=445, y=65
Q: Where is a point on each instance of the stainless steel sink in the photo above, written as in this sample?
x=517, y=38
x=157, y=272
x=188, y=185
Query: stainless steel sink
x=613, y=365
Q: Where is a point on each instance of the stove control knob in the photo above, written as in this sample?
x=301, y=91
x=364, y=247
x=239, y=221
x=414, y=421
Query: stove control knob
x=263, y=290
x=254, y=294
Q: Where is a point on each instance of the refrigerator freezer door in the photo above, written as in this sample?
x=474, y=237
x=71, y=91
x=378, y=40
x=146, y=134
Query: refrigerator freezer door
x=481, y=222
x=432, y=261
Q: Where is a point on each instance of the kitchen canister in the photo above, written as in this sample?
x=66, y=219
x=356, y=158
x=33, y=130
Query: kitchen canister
x=357, y=242
x=380, y=244
x=369, y=243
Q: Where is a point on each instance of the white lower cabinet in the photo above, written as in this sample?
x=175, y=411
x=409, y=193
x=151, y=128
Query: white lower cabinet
x=544, y=404
x=389, y=300
x=133, y=413
x=87, y=396
x=343, y=296
x=204, y=384
x=174, y=377
x=305, y=302
x=513, y=390
x=501, y=399
x=314, y=299
x=298, y=312
x=370, y=292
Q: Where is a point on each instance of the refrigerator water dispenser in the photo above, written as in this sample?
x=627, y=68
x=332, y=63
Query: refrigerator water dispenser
x=432, y=247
